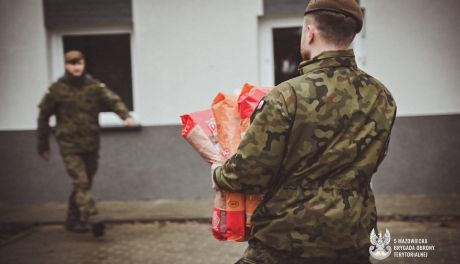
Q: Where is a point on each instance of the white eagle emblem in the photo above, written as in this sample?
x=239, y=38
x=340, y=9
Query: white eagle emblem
x=378, y=249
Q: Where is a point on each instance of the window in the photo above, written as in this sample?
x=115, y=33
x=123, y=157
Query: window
x=108, y=59
x=279, y=50
x=286, y=52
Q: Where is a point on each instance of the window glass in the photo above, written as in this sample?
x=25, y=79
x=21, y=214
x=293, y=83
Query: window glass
x=286, y=51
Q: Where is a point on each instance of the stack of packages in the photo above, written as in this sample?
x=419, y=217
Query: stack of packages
x=215, y=134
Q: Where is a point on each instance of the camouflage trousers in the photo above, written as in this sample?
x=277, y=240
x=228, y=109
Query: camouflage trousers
x=257, y=253
x=81, y=169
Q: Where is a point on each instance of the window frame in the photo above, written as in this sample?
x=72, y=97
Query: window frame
x=266, y=52
x=56, y=63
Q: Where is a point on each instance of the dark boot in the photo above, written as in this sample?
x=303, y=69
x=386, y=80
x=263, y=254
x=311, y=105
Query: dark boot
x=98, y=229
x=73, y=215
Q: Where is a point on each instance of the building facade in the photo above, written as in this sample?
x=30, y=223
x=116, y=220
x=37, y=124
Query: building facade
x=167, y=58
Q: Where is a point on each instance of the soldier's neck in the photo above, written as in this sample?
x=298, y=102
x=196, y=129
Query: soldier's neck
x=75, y=80
x=323, y=47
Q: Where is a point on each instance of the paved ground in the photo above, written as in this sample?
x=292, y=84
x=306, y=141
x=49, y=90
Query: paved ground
x=393, y=206
x=177, y=231
x=187, y=242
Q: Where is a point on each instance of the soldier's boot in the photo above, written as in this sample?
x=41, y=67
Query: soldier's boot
x=98, y=229
x=96, y=222
x=88, y=211
x=73, y=222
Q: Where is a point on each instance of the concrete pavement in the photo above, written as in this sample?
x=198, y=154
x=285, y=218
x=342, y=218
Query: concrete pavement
x=188, y=242
x=178, y=231
x=388, y=206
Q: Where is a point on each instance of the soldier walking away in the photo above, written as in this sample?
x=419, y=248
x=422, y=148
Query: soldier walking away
x=76, y=100
x=313, y=145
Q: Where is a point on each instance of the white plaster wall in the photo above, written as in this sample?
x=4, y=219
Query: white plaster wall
x=413, y=47
x=23, y=63
x=187, y=51
x=184, y=52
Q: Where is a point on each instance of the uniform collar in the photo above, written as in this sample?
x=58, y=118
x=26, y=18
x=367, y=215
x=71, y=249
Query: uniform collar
x=76, y=82
x=328, y=59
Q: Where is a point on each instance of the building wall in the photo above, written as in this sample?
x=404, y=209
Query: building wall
x=151, y=163
x=156, y=162
x=23, y=65
x=412, y=47
x=188, y=51
x=184, y=53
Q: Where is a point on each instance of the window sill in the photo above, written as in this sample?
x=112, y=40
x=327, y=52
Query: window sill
x=120, y=128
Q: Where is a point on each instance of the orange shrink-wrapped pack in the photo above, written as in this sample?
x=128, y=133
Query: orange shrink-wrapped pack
x=248, y=100
x=225, y=110
x=228, y=222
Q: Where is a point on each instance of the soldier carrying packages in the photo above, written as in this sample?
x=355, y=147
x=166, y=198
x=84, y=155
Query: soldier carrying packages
x=232, y=211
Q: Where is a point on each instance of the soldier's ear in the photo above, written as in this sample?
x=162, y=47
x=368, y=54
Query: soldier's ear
x=311, y=32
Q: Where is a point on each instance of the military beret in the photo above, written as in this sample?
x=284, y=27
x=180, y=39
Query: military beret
x=73, y=56
x=349, y=8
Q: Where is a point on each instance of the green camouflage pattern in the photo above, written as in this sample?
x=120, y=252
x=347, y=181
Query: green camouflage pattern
x=76, y=104
x=257, y=253
x=81, y=169
x=312, y=148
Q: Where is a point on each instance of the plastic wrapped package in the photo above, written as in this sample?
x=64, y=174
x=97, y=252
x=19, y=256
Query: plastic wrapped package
x=225, y=110
x=248, y=100
x=215, y=134
x=199, y=129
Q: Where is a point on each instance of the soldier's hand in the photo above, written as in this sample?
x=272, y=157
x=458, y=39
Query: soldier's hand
x=129, y=122
x=214, y=166
x=45, y=155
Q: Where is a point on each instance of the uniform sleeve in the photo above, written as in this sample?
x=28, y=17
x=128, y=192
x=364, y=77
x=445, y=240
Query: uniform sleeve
x=113, y=102
x=47, y=108
x=261, y=152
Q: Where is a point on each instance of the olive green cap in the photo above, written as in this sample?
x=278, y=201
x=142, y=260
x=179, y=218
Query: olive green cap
x=349, y=8
x=73, y=56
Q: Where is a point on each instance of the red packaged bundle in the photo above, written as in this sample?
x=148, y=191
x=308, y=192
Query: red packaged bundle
x=231, y=222
x=199, y=129
x=215, y=134
x=234, y=207
x=248, y=100
x=219, y=216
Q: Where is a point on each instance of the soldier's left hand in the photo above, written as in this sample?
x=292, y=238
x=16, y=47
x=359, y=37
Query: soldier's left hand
x=129, y=122
x=214, y=166
x=45, y=155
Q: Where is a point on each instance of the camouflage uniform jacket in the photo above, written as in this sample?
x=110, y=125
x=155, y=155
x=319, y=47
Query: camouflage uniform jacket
x=313, y=145
x=76, y=105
